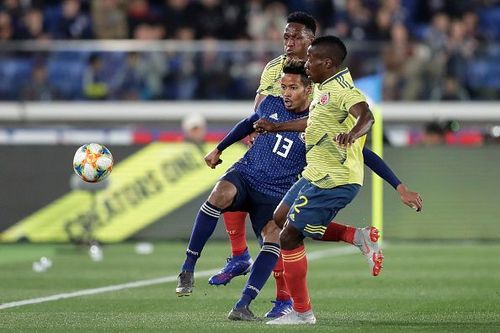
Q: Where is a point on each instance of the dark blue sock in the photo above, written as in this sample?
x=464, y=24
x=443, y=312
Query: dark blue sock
x=203, y=228
x=261, y=270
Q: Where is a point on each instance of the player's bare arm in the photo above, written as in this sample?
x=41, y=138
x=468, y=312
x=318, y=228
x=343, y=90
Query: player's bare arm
x=365, y=121
x=264, y=125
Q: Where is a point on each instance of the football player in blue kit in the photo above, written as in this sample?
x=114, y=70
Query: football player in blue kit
x=257, y=182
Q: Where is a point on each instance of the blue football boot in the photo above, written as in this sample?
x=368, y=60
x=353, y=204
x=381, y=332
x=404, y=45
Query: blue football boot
x=234, y=267
x=280, y=308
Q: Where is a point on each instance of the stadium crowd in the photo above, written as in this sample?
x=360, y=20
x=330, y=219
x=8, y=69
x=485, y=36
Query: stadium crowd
x=425, y=50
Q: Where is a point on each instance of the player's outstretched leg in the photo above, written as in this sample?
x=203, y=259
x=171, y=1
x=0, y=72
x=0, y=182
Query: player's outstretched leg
x=240, y=261
x=203, y=228
x=366, y=239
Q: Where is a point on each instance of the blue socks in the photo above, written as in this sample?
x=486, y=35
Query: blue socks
x=203, y=228
x=261, y=270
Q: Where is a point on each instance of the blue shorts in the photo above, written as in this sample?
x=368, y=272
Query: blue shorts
x=293, y=192
x=314, y=208
x=260, y=207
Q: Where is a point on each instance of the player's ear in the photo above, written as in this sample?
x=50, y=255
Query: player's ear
x=328, y=63
x=309, y=89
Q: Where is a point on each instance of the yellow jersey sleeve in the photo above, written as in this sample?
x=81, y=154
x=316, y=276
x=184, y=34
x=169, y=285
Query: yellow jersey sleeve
x=270, y=77
x=351, y=97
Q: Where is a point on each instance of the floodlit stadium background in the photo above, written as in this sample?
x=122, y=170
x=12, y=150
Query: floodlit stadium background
x=127, y=73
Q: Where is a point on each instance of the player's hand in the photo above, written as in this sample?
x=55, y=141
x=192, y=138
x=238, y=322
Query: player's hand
x=251, y=138
x=410, y=198
x=345, y=139
x=263, y=126
x=212, y=159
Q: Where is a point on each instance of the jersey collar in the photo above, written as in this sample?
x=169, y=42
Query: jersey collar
x=331, y=78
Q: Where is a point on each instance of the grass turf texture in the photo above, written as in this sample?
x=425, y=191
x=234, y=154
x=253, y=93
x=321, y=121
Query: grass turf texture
x=424, y=287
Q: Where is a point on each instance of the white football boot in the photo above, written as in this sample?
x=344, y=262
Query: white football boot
x=295, y=318
x=366, y=240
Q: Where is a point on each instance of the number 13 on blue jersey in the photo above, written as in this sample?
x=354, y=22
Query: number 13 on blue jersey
x=282, y=149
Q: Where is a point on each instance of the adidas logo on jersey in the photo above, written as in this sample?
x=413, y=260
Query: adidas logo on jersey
x=274, y=116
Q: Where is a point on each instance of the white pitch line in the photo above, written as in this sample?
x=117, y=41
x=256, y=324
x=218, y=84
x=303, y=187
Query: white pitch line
x=150, y=282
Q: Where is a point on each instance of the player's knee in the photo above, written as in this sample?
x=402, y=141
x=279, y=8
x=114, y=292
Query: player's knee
x=290, y=238
x=271, y=233
x=280, y=214
x=222, y=195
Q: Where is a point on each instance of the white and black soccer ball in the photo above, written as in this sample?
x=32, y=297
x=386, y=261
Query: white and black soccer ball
x=93, y=162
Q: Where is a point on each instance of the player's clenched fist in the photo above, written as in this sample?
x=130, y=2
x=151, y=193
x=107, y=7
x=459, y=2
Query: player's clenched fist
x=263, y=126
x=212, y=159
x=345, y=139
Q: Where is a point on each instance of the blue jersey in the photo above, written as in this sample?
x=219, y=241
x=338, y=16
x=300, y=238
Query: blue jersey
x=275, y=160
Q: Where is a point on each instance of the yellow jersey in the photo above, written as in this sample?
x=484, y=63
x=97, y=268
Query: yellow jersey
x=328, y=164
x=270, y=79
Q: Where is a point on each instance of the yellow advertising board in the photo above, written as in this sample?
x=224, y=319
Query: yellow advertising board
x=142, y=188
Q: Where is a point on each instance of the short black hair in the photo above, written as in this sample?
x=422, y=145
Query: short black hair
x=303, y=18
x=335, y=47
x=293, y=66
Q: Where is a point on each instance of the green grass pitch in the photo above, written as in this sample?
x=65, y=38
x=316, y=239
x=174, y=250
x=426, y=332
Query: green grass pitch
x=424, y=287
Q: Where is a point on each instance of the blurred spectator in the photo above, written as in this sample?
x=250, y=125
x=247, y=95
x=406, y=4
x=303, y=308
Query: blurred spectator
x=460, y=50
x=397, y=13
x=430, y=48
x=471, y=23
x=194, y=127
x=355, y=22
x=6, y=30
x=129, y=83
x=209, y=19
x=181, y=80
x=434, y=134
x=94, y=84
x=38, y=88
x=449, y=90
x=177, y=14
x=437, y=34
x=383, y=25
x=32, y=26
x=235, y=19
x=214, y=78
x=404, y=64
x=109, y=19
x=266, y=22
x=153, y=67
x=141, y=16
x=73, y=23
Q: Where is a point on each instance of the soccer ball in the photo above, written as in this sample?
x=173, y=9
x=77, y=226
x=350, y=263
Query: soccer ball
x=93, y=162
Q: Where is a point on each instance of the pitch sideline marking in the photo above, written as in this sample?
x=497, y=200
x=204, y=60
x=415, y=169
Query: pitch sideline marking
x=150, y=282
